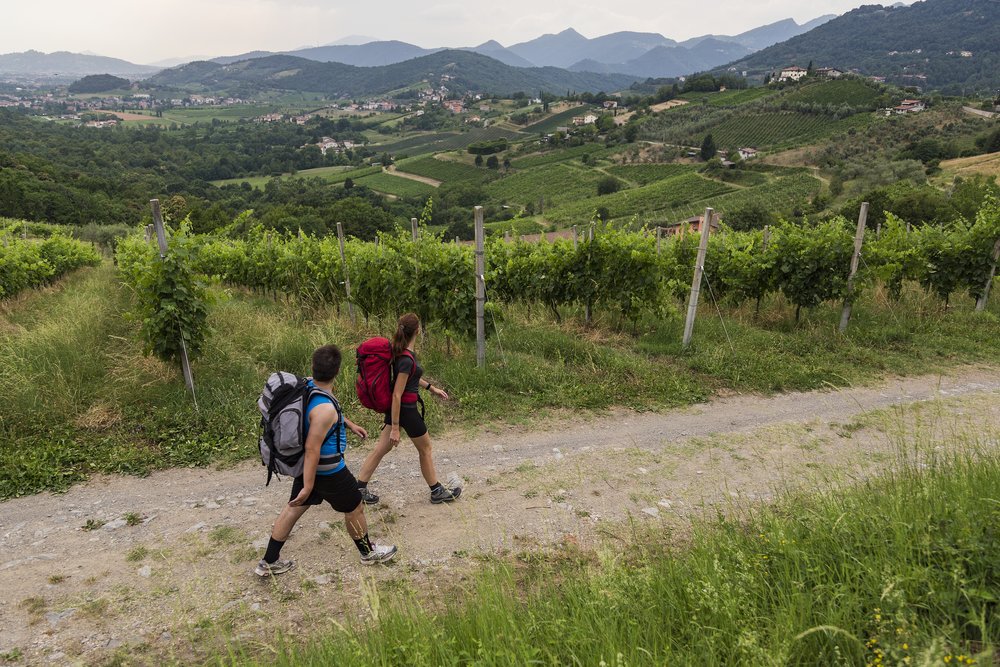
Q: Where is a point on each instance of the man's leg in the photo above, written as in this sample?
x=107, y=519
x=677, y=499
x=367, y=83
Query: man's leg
x=279, y=533
x=357, y=528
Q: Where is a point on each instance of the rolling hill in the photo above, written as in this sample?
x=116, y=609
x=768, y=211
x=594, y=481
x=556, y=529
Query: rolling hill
x=69, y=66
x=466, y=71
x=948, y=45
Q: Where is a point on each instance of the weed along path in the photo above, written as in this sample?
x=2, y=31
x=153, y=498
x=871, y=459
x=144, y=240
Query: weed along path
x=160, y=567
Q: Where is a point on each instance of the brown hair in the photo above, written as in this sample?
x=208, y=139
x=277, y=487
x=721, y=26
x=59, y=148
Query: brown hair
x=406, y=329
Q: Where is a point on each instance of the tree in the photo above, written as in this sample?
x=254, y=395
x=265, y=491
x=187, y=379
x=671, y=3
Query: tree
x=608, y=185
x=708, y=148
x=492, y=162
x=348, y=183
x=479, y=160
x=506, y=163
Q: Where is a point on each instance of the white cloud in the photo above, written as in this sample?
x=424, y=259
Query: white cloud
x=147, y=32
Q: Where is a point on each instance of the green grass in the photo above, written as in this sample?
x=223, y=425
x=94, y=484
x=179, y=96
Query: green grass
x=661, y=197
x=439, y=142
x=447, y=171
x=852, y=92
x=778, y=128
x=557, y=183
x=331, y=175
x=595, y=151
x=395, y=185
x=645, y=174
x=901, y=569
x=729, y=98
x=561, y=119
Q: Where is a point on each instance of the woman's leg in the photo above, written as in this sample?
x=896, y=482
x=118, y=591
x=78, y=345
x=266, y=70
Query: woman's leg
x=423, y=445
x=382, y=448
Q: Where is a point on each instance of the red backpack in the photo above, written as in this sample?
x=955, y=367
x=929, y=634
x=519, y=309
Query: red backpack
x=375, y=374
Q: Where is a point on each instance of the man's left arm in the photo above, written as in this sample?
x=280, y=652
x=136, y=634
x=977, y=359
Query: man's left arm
x=355, y=429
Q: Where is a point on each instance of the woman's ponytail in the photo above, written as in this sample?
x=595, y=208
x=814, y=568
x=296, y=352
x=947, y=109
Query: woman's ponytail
x=406, y=329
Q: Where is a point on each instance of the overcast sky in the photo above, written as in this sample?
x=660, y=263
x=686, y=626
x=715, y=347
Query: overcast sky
x=145, y=32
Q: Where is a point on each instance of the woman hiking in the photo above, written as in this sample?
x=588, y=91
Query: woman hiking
x=404, y=413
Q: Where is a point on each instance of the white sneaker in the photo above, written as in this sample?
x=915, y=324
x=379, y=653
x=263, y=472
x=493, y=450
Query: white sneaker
x=380, y=553
x=265, y=569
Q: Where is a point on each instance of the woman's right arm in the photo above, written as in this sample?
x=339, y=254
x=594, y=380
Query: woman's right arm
x=397, y=401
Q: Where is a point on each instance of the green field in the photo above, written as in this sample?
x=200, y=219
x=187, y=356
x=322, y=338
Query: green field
x=447, y=171
x=729, y=98
x=645, y=174
x=658, y=198
x=595, y=151
x=780, y=195
x=438, y=142
x=395, y=185
x=563, y=118
x=557, y=183
x=778, y=128
x=337, y=174
x=852, y=92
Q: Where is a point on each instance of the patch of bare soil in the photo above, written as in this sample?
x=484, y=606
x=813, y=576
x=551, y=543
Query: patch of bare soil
x=160, y=567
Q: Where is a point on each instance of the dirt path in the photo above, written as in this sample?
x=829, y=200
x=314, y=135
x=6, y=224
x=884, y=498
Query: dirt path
x=180, y=577
x=391, y=169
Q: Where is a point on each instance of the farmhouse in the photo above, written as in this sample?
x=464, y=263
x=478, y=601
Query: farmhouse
x=829, y=73
x=793, y=73
x=588, y=119
x=455, y=106
x=748, y=153
x=610, y=104
x=909, y=106
x=691, y=224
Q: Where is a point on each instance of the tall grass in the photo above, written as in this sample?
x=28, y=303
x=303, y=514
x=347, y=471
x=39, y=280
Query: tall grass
x=899, y=570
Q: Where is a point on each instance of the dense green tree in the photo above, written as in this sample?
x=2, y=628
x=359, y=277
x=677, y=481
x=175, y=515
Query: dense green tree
x=708, y=148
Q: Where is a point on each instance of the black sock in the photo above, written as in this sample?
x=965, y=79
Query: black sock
x=435, y=487
x=273, y=550
x=362, y=485
x=364, y=545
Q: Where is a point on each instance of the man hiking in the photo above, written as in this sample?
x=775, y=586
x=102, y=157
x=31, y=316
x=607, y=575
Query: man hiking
x=325, y=476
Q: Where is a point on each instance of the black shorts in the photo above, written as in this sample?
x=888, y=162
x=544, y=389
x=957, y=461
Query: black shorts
x=409, y=420
x=339, y=489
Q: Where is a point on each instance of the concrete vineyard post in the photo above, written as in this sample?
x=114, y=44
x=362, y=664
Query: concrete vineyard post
x=506, y=236
x=576, y=237
x=347, y=277
x=659, y=239
x=149, y=233
x=587, y=314
x=480, y=292
x=859, y=238
x=413, y=229
x=699, y=269
x=767, y=238
x=161, y=240
x=981, y=303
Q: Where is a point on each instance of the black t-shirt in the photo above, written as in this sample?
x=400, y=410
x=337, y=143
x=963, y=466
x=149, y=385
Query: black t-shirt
x=406, y=365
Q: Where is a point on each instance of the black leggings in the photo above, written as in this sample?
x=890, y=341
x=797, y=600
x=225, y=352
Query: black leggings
x=410, y=420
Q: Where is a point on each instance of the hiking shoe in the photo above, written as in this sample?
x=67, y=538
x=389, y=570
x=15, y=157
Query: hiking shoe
x=265, y=569
x=367, y=497
x=380, y=553
x=443, y=494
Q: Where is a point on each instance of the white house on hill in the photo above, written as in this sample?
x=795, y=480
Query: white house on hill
x=793, y=73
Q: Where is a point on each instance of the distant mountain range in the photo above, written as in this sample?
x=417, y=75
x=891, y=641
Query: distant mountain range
x=640, y=54
x=948, y=45
x=459, y=70
x=69, y=66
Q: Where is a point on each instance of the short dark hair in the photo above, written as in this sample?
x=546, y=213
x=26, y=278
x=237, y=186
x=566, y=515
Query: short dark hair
x=326, y=363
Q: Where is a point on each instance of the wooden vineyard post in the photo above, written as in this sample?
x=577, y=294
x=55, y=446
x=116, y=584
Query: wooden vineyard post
x=659, y=238
x=347, y=277
x=767, y=238
x=149, y=233
x=859, y=238
x=587, y=314
x=161, y=240
x=699, y=269
x=576, y=237
x=413, y=229
x=981, y=303
x=506, y=236
x=480, y=291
